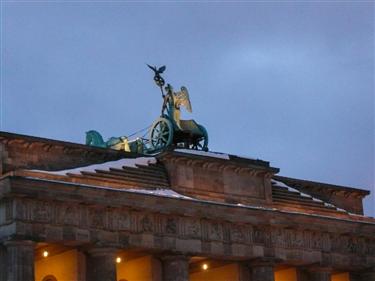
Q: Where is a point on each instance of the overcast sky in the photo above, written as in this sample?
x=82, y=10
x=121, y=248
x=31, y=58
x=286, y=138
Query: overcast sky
x=291, y=83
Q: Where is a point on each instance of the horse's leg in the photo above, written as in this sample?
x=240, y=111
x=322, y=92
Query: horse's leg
x=205, y=136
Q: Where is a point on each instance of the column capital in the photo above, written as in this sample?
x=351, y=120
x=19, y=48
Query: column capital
x=102, y=251
x=363, y=275
x=175, y=267
x=101, y=264
x=264, y=261
x=262, y=269
x=10, y=243
x=319, y=268
x=173, y=256
x=319, y=273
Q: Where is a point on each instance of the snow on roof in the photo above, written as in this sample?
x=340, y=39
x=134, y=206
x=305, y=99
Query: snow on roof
x=204, y=153
x=291, y=189
x=172, y=194
x=160, y=192
x=128, y=162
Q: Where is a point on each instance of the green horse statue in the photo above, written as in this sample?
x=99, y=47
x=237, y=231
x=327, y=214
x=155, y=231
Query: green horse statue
x=94, y=138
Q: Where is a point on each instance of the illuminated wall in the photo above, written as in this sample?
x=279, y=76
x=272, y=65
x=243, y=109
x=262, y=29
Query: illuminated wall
x=63, y=266
x=289, y=274
x=340, y=277
x=141, y=269
x=223, y=273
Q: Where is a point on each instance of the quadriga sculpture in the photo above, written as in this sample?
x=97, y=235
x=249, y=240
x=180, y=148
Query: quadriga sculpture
x=166, y=131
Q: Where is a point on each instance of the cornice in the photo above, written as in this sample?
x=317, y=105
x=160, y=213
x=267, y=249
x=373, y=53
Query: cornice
x=31, y=142
x=328, y=189
x=234, y=164
x=98, y=196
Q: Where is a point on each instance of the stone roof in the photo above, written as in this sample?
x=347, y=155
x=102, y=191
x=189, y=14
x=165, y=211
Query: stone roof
x=188, y=175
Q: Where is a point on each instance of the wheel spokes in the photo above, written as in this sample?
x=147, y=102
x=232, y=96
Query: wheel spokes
x=160, y=134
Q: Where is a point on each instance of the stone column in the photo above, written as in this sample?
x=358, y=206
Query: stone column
x=262, y=269
x=3, y=264
x=354, y=276
x=362, y=276
x=368, y=276
x=243, y=271
x=101, y=264
x=156, y=269
x=175, y=268
x=81, y=266
x=20, y=260
x=302, y=274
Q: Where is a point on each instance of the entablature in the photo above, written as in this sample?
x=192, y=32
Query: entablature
x=80, y=215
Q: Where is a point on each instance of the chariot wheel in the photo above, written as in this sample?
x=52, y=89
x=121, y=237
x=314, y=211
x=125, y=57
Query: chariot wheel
x=161, y=134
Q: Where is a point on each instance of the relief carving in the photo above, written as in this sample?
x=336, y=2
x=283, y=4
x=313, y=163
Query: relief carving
x=123, y=220
x=316, y=241
x=215, y=231
x=24, y=209
x=335, y=243
x=258, y=235
x=8, y=210
x=370, y=247
x=171, y=226
x=278, y=237
x=192, y=228
x=146, y=224
x=361, y=246
x=307, y=237
x=326, y=242
x=297, y=240
x=97, y=218
x=352, y=245
x=238, y=234
x=267, y=237
x=67, y=214
x=41, y=212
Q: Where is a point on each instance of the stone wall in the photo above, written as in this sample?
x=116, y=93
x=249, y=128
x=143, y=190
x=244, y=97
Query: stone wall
x=220, y=179
x=90, y=216
x=24, y=152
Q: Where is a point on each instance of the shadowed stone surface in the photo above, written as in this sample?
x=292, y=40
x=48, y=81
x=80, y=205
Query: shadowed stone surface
x=20, y=260
x=100, y=264
x=175, y=268
x=3, y=265
x=235, y=213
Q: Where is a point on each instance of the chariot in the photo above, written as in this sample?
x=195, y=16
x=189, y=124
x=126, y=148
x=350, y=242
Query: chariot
x=166, y=131
x=169, y=129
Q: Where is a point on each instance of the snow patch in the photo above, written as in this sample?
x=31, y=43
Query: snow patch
x=128, y=162
x=281, y=184
x=160, y=192
x=204, y=153
x=173, y=194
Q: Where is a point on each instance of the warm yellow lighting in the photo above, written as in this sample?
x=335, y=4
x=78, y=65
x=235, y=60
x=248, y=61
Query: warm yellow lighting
x=205, y=266
x=45, y=254
x=118, y=259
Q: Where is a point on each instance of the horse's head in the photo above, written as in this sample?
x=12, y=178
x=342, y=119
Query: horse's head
x=94, y=138
x=88, y=137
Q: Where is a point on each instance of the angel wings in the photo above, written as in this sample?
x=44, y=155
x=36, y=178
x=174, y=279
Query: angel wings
x=182, y=98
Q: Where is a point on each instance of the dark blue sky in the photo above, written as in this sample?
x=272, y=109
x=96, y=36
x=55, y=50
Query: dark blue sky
x=291, y=82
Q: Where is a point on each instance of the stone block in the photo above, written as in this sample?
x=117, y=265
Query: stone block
x=189, y=245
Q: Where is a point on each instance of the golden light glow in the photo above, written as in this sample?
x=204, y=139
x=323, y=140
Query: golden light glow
x=205, y=266
x=45, y=254
x=118, y=259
